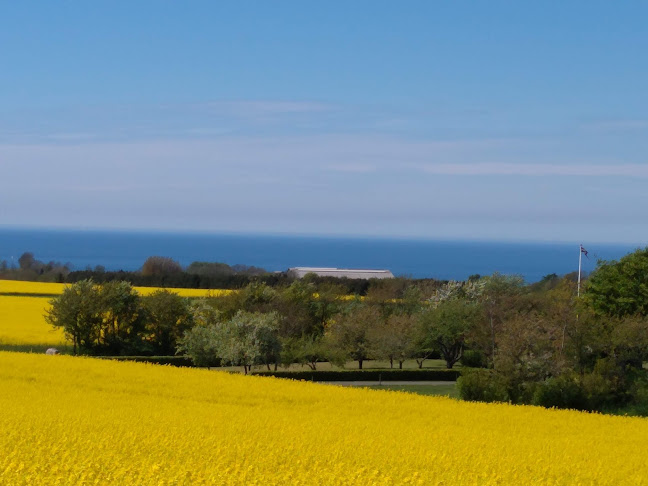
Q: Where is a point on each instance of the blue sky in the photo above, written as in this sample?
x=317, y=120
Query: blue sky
x=442, y=120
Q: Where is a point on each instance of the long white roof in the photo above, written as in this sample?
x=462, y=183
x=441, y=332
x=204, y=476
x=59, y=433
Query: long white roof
x=299, y=272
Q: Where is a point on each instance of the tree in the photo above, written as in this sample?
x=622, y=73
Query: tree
x=202, y=345
x=448, y=324
x=528, y=353
x=245, y=340
x=122, y=317
x=250, y=338
x=77, y=312
x=620, y=288
x=159, y=265
x=347, y=334
x=305, y=350
x=26, y=261
x=393, y=339
x=211, y=269
x=498, y=295
x=167, y=318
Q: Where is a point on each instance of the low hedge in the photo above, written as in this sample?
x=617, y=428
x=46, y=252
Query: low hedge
x=365, y=375
x=161, y=360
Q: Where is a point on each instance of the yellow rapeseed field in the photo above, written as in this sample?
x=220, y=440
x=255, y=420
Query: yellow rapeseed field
x=68, y=420
x=22, y=322
x=21, y=287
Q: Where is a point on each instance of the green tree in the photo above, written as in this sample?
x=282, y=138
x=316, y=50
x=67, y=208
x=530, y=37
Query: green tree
x=347, y=334
x=393, y=339
x=122, y=318
x=202, y=344
x=447, y=326
x=167, y=318
x=78, y=313
x=159, y=265
x=499, y=296
x=620, y=288
x=247, y=339
x=305, y=350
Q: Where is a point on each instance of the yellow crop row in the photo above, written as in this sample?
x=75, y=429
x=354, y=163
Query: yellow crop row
x=21, y=287
x=68, y=420
x=22, y=322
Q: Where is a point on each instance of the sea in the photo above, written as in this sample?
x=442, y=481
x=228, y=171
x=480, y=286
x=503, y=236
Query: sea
x=415, y=258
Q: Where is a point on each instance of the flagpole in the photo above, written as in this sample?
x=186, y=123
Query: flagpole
x=580, y=259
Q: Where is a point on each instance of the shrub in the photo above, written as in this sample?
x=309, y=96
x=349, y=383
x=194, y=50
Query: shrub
x=561, y=392
x=482, y=385
x=473, y=359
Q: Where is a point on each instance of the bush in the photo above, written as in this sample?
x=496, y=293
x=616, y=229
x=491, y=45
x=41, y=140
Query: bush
x=482, y=385
x=473, y=359
x=365, y=375
x=561, y=392
x=599, y=391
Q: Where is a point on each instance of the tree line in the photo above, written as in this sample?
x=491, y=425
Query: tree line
x=159, y=271
x=520, y=343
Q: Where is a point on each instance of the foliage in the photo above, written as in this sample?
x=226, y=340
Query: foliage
x=305, y=350
x=77, y=312
x=393, y=338
x=482, y=385
x=168, y=316
x=620, y=288
x=562, y=392
x=202, y=345
x=447, y=326
x=29, y=268
x=159, y=265
x=246, y=339
x=347, y=334
x=473, y=359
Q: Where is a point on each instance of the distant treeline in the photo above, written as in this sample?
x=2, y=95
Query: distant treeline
x=159, y=271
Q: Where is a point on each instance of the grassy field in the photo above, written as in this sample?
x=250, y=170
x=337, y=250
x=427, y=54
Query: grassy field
x=69, y=420
x=410, y=364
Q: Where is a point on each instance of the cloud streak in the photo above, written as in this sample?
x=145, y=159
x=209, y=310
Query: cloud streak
x=537, y=170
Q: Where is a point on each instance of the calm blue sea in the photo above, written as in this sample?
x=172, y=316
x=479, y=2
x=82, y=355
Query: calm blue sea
x=416, y=258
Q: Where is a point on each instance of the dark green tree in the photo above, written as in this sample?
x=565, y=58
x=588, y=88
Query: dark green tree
x=448, y=325
x=77, y=311
x=620, y=288
x=167, y=317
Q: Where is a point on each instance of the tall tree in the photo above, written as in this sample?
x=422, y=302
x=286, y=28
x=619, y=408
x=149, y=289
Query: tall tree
x=159, y=265
x=620, y=288
x=167, y=318
x=347, y=334
x=78, y=313
x=122, y=318
x=447, y=326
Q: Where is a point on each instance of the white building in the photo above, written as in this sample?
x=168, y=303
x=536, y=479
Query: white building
x=299, y=272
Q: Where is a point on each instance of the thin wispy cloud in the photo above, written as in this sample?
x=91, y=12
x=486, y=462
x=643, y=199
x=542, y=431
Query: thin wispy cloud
x=353, y=168
x=512, y=169
x=617, y=125
x=265, y=108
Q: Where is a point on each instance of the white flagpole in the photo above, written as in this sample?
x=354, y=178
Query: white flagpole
x=580, y=259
